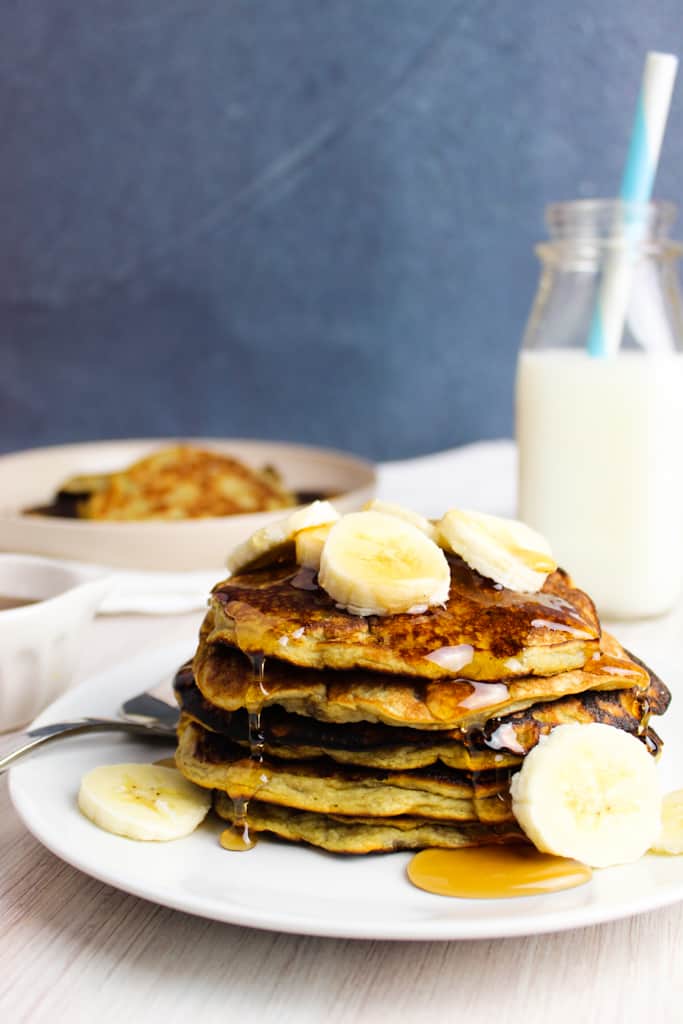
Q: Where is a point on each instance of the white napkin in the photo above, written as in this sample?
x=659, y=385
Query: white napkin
x=480, y=476
x=159, y=593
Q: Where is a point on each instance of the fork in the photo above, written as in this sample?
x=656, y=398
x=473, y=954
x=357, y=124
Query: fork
x=148, y=715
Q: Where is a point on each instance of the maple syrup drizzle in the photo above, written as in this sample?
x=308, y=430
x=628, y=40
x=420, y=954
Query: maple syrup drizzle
x=465, y=695
x=645, y=715
x=653, y=744
x=563, y=627
x=483, y=695
x=305, y=579
x=504, y=737
x=495, y=872
x=238, y=837
x=491, y=783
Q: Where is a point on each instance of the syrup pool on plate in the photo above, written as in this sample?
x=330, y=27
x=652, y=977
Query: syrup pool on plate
x=237, y=837
x=495, y=872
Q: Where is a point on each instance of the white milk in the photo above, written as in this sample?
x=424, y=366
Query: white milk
x=600, y=471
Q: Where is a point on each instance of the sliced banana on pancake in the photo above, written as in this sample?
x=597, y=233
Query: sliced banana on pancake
x=388, y=508
x=142, y=801
x=309, y=545
x=376, y=564
x=269, y=540
x=504, y=550
x=589, y=792
x=670, y=839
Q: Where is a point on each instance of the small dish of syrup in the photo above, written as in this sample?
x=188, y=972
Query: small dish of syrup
x=7, y=603
x=45, y=607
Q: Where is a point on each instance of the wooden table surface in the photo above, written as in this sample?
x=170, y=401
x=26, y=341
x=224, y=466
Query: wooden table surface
x=73, y=949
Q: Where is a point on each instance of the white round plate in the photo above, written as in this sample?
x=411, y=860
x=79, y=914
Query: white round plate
x=292, y=888
x=31, y=478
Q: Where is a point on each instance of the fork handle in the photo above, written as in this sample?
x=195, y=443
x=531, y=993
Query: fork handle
x=17, y=745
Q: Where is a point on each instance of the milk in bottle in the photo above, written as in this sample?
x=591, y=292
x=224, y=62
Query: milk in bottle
x=601, y=439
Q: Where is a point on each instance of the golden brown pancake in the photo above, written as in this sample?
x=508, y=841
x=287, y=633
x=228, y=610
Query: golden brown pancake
x=215, y=762
x=295, y=737
x=483, y=632
x=366, y=834
x=627, y=710
x=225, y=677
x=181, y=482
x=502, y=742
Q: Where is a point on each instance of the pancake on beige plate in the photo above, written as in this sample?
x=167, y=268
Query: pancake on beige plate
x=180, y=482
x=377, y=732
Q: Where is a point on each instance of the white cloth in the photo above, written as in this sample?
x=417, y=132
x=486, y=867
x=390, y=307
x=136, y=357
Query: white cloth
x=480, y=476
x=159, y=593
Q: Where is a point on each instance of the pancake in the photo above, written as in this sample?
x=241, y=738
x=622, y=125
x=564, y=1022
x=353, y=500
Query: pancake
x=215, y=762
x=365, y=834
x=626, y=710
x=178, y=483
x=502, y=742
x=226, y=679
x=482, y=632
x=289, y=736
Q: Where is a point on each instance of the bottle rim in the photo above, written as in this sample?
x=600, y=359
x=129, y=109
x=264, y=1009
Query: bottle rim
x=589, y=253
x=604, y=220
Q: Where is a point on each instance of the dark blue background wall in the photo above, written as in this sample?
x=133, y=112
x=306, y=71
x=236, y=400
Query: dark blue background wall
x=295, y=219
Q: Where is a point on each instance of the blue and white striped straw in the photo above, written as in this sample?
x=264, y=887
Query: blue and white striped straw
x=652, y=111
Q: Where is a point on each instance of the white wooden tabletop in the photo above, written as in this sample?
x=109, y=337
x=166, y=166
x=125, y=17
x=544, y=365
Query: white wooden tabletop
x=73, y=949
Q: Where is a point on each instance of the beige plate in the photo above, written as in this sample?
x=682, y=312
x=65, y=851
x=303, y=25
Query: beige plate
x=31, y=478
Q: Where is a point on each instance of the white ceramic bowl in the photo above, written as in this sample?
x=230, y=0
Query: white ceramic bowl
x=31, y=478
x=40, y=642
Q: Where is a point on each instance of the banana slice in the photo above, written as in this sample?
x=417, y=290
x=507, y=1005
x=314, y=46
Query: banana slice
x=589, y=792
x=388, y=508
x=670, y=839
x=374, y=564
x=505, y=550
x=142, y=801
x=309, y=545
x=269, y=541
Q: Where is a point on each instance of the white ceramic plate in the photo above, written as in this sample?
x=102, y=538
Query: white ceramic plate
x=31, y=478
x=290, y=888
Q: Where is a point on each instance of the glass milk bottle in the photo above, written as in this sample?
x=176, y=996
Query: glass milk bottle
x=601, y=439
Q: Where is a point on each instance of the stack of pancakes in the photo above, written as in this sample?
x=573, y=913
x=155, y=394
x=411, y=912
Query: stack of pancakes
x=398, y=732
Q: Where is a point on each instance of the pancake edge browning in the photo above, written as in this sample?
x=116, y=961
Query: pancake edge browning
x=225, y=678
x=213, y=762
x=359, y=835
x=501, y=743
x=502, y=632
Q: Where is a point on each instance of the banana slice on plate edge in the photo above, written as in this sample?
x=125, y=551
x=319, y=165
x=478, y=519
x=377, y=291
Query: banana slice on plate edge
x=670, y=838
x=142, y=801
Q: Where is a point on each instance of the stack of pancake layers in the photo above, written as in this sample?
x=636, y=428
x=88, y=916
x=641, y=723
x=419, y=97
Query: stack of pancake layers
x=361, y=734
